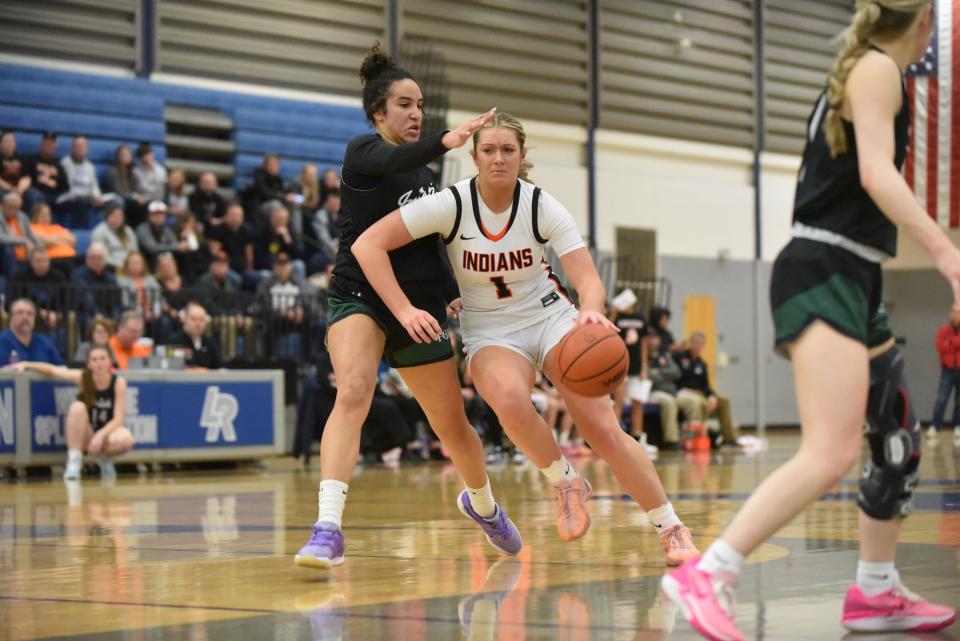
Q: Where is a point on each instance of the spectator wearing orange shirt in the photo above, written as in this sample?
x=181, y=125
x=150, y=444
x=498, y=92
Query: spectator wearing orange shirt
x=124, y=343
x=948, y=346
x=15, y=227
x=59, y=241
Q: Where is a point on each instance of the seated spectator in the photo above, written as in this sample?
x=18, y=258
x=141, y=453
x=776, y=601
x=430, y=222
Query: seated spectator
x=192, y=257
x=307, y=186
x=325, y=229
x=206, y=203
x=281, y=301
x=120, y=181
x=696, y=398
x=150, y=177
x=126, y=344
x=114, y=234
x=203, y=350
x=176, y=192
x=14, y=174
x=154, y=236
x=15, y=229
x=329, y=181
x=84, y=195
x=233, y=238
x=215, y=289
x=633, y=328
x=19, y=343
x=171, y=288
x=46, y=287
x=268, y=191
x=660, y=323
x=98, y=335
x=59, y=241
x=277, y=239
x=664, y=374
x=140, y=289
x=46, y=173
x=96, y=285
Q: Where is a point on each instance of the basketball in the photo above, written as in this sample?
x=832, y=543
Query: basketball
x=593, y=360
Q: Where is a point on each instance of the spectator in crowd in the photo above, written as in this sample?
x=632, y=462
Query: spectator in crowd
x=14, y=174
x=126, y=344
x=268, y=185
x=948, y=346
x=192, y=257
x=140, y=289
x=20, y=343
x=96, y=285
x=215, y=288
x=203, y=350
x=330, y=181
x=633, y=328
x=174, y=296
x=84, y=195
x=94, y=422
x=114, y=234
x=59, y=241
x=275, y=240
x=154, y=236
x=46, y=173
x=696, y=397
x=282, y=301
x=176, y=192
x=233, y=238
x=660, y=323
x=325, y=229
x=121, y=182
x=307, y=185
x=46, y=287
x=664, y=374
x=15, y=227
x=98, y=335
x=150, y=177
x=206, y=203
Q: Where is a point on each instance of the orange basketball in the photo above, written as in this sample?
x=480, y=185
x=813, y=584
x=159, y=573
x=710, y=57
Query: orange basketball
x=593, y=360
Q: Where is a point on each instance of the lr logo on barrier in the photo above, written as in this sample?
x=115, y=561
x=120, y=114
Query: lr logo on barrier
x=219, y=411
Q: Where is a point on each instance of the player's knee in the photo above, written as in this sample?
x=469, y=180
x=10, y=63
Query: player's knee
x=513, y=406
x=76, y=415
x=355, y=392
x=120, y=441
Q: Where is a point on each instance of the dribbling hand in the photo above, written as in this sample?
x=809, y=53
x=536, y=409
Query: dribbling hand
x=587, y=316
x=458, y=137
x=422, y=327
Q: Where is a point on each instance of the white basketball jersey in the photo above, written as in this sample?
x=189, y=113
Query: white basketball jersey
x=498, y=258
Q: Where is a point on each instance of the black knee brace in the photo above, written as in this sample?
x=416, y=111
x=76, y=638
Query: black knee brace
x=892, y=471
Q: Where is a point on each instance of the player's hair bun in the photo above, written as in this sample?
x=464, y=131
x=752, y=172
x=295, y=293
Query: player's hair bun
x=375, y=63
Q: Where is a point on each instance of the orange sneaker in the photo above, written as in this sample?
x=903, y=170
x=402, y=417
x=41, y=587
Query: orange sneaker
x=573, y=521
x=678, y=544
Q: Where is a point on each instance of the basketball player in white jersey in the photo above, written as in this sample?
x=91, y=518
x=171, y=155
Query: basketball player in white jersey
x=514, y=312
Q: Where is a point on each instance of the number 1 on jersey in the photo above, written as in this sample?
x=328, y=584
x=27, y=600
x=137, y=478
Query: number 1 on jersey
x=502, y=290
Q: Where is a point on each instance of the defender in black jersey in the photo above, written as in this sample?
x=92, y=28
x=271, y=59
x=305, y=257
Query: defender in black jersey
x=95, y=420
x=826, y=295
x=382, y=171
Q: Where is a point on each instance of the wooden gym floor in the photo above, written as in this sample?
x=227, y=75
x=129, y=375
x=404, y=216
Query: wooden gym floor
x=209, y=557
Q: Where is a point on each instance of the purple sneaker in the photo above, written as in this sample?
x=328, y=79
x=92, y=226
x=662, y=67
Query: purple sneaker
x=500, y=530
x=324, y=549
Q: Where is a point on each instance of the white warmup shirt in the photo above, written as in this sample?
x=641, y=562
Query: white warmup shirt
x=505, y=283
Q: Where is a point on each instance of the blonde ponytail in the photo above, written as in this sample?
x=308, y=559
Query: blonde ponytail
x=873, y=17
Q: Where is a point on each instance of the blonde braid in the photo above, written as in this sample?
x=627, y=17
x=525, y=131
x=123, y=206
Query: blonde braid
x=856, y=44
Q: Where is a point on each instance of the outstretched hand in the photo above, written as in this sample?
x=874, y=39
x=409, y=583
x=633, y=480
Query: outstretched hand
x=458, y=137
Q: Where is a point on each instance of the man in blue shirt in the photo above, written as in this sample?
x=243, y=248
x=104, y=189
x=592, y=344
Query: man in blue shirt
x=19, y=343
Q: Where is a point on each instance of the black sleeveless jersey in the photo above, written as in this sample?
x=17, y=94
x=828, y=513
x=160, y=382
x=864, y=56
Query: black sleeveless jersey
x=101, y=412
x=378, y=177
x=829, y=195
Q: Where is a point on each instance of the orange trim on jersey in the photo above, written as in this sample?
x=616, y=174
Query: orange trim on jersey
x=476, y=211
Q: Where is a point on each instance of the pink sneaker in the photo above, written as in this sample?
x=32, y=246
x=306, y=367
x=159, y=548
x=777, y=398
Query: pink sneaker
x=896, y=610
x=706, y=600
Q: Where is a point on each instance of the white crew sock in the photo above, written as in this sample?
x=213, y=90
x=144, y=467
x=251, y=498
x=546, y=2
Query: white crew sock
x=560, y=470
x=333, y=497
x=874, y=578
x=720, y=557
x=74, y=456
x=663, y=517
x=482, y=501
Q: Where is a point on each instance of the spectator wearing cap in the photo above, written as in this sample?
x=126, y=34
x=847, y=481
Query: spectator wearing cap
x=96, y=285
x=234, y=239
x=154, y=235
x=20, y=342
x=14, y=174
x=283, y=301
x=46, y=173
x=125, y=344
x=206, y=204
x=203, y=350
x=15, y=228
x=114, y=234
x=150, y=177
x=84, y=194
x=176, y=192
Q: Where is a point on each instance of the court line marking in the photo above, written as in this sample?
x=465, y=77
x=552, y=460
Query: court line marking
x=179, y=606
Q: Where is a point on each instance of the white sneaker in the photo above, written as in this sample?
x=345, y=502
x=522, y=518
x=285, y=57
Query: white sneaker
x=652, y=450
x=72, y=471
x=107, y=471
x=932, y=432
x=956, y=436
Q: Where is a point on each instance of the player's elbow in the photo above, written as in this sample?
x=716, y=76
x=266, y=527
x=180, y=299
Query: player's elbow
x=874, y=175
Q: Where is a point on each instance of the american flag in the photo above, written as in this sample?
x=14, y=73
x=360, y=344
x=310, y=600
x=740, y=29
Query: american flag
x=933, y=164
